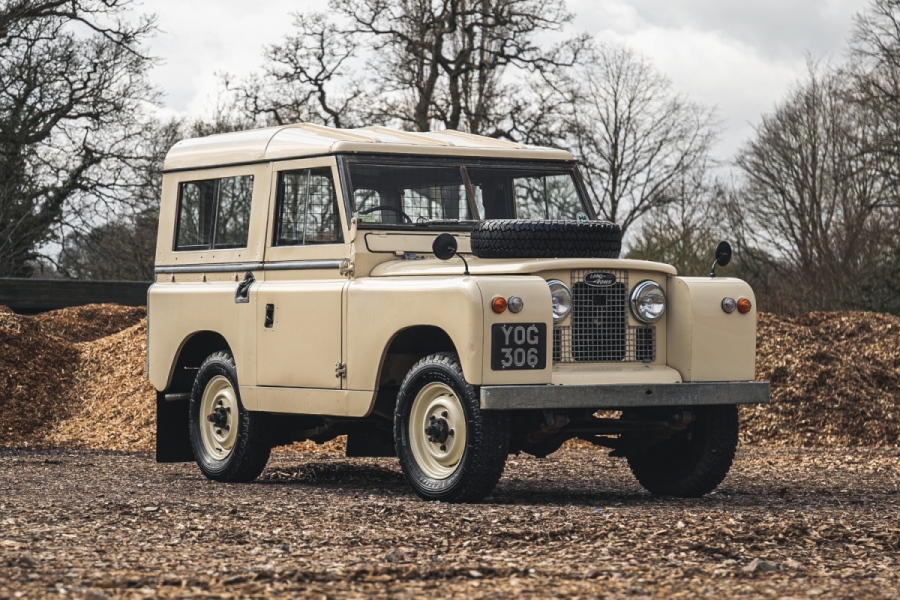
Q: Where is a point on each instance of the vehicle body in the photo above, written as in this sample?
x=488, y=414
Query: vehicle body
x=298, y=293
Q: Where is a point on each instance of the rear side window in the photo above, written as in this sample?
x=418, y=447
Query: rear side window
x=307, y=209
x=214, y=213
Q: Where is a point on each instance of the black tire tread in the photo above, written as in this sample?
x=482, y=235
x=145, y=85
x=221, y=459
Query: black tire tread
x=251, y=448
x=508, y=238
x=708, y=470
x=487, y=437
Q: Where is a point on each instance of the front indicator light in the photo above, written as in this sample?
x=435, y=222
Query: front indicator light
x=648, y=301
x=498, y=304
x=561, y=300
x=744, y=306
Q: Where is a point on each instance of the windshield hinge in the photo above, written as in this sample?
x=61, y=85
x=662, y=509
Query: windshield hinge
x=347, y=267
x=340, y=370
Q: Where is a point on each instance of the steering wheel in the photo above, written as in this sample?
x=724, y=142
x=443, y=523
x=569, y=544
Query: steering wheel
x=385, y=207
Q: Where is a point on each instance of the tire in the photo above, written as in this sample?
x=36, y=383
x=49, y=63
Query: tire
x=463, y=458
x=546, y=239
x=233, y=449
x=694, y=461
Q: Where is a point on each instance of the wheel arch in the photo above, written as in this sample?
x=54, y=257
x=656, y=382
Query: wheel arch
x=415, y=341
x=405, y=348
x=191, y=353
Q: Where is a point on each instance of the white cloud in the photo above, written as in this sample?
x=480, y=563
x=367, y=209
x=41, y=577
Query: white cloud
x=201, y=38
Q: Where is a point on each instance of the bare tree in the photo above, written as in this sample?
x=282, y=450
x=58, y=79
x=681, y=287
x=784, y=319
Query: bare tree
x=815, y=195
x=424, y=65
x=301, y=77
x=445, y=61
x=70, y=119
x=103, y=17
x=634, y=136
x=875, y=68
x=683, y=232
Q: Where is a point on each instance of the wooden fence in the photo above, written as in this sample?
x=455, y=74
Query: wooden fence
x=38, y=295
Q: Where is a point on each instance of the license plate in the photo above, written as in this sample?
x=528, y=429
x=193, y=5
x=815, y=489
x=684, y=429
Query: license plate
x=518, y=346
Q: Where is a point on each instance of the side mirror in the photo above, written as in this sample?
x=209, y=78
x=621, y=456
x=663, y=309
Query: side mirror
x=723, y=257
x=444, y=246
x=723, y=254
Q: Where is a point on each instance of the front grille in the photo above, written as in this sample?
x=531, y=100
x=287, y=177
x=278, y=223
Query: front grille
x=599, y=331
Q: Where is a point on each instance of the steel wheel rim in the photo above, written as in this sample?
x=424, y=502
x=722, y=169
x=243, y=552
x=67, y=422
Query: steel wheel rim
x=440, y=458
x=218, y=418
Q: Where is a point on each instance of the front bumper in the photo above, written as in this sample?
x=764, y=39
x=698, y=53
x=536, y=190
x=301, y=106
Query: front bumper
x=622, y=396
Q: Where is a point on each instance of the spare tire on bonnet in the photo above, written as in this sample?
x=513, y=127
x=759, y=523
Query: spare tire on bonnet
x=509, y=238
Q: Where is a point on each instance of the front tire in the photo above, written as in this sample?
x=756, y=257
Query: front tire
x=228, y=441
x=694, y=461
x=449, y=449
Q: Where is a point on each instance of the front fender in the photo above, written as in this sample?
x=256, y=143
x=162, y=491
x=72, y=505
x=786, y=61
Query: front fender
x=704, y=342
x=535, y=293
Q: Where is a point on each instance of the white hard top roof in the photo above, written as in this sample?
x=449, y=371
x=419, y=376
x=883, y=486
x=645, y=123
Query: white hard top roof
x=306, y=139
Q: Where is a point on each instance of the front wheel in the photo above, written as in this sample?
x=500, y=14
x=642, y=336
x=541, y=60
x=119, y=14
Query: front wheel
x=228, y=441
x=449, y=449
x=694, y=461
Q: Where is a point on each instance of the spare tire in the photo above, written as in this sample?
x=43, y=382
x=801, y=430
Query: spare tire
x=546, y=239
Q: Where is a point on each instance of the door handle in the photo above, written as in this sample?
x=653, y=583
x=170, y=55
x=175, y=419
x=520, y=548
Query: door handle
x=242, y=293
x=270, y=316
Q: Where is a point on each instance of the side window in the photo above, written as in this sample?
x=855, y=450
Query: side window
x=214, y=213
x=307, y=210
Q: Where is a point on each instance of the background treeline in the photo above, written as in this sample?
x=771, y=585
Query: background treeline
x=810, y=201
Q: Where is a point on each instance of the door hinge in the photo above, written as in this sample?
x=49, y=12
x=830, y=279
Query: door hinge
x=347, y=267
x=340, y=370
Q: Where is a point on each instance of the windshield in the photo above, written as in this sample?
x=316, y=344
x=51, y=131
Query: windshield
x=418, y=194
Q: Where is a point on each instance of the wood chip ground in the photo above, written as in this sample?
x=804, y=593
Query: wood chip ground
x=786, y=523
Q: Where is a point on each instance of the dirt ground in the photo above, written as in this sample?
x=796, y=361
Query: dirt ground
x=787, y=523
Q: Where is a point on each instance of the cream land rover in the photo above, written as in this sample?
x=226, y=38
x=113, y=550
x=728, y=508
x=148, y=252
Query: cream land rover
x=442, y=297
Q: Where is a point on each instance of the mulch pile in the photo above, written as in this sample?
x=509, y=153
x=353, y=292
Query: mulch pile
x=76, y=377
x=835, y=380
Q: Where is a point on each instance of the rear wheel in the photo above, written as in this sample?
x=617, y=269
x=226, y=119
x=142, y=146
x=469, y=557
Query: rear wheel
x=448, y=448
x=692, y=462
x=228, y=441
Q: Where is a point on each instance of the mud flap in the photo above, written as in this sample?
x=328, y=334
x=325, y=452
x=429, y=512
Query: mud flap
x=173, y=441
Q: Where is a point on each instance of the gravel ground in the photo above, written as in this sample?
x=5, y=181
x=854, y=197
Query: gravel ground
x=799, y=523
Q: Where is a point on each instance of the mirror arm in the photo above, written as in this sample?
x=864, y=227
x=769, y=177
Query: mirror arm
x=466, y=272
x=712, y=270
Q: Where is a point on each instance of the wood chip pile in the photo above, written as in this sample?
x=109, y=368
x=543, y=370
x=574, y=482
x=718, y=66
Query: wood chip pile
x=835, y=381
x=76, y=377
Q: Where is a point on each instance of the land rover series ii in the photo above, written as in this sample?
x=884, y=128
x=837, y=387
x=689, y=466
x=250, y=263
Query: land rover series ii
x=441, y=297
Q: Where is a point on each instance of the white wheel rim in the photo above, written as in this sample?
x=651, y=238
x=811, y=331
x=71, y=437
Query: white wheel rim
x=218, y=418
x=436, y=405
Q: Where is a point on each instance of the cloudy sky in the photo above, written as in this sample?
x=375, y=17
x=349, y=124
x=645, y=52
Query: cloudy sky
x=738, y=56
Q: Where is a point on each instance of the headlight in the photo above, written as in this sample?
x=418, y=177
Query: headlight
x=648, y=301
x=561, y=298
